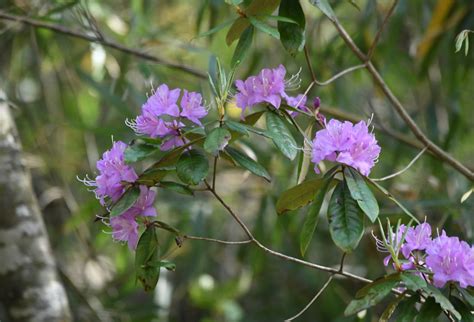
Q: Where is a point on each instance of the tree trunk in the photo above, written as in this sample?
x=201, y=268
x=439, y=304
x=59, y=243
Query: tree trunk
x=30, y=289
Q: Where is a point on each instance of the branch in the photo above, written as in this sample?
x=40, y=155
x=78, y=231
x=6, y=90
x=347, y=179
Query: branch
x=379, y=32
x=100, y=40
x=226, y=242
x=400, y=109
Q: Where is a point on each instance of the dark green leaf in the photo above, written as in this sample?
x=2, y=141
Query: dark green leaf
x=167, y=264
x=243, y=46
x=281, y=136
x=245, y=128
x=406, y=310
x=361, y=193
x=176, y=187
x=216, y=140
x=413, y=282
x=292, y=35
x=247, y=163
x=192, y=167
x=346, y=222
x=137, y=152
x=429, y=311
x=125, y=202
x=298, y=196
x=147, y=254
x=463, y=309
x=466, y=295
x=260, y=25
x=390, y=309
x=325, y=7
x=372, y=294
x=278, y=18
x=441, y=300
x=152, y=176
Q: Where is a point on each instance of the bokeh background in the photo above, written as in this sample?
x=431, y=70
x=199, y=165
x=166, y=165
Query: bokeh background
x=69, y=98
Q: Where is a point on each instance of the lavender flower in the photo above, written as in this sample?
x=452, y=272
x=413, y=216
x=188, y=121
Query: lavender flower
x=346, y=143
x=163, y=101
x=268, y=86
x=192, y=108
x=418, y=238
x=450, y=260
x=125, y=228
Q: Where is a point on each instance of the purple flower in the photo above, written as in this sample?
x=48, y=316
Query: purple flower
x=144, y=205
x=268, y=86
x=125, y=228
x=150, y=124
x=346, y=143
x=418, y=238
x=163, y=101
x=192, y=108
x=450, y=260
x=112, y=173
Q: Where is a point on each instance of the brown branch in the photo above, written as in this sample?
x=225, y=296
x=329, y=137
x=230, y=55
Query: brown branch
x=104, y=42
x=379, y=32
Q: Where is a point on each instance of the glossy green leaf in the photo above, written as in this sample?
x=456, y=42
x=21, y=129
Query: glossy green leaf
x=243, y=46
x=125, y=202
x=361, y=193
x=147, y=254
x=192, y=167
x=262, y=26
x=280, y=135
x=372, y=294
x=298, y=196
x=292, y=36
x=244, y=129
x=325, y=7
x=176, y=187
x=413, y=282
x=247, y=163
x=346, y=221
x=216, y=140
x=138, y=152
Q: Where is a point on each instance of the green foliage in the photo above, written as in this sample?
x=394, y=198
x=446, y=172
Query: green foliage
x=292, y=35
x=280, y=135
x=361, y=193
x=192, y=167
x=125, y=202
x=243, y=46
x=216, y=140
x=298, y=196
x=247, y=163
x=147, y=259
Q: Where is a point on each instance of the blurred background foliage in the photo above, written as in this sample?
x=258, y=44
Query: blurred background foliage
x=69, y=98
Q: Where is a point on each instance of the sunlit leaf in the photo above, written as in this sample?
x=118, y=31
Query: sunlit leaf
x=325, y=7
x=281, y=136
x=262, y=26
x=361, y=193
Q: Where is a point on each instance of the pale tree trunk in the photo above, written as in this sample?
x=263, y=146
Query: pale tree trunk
x=30, y=289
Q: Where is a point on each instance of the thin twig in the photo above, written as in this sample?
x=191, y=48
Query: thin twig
x=340, y=74
x=393, y=175
x=308, y=62
x=313, y=299
x=214, y=173
x=106, y=43
x=220, y=241
x=379, y=32
x=400, y=109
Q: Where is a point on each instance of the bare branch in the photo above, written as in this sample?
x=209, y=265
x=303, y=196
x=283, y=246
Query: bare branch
x=393, y=175
x=340, y=74
x=226, y=242
x=379, y=32
x=104, y=42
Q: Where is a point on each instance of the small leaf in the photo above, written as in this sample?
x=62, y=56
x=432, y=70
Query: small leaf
x=390, y=309
x=292, y=35
x=305, y=164
x=466, y=195
x=312, y=217
x=325, y=7
x=460, y=39
x=125, y=202
x=243, y=46
x=137, y=152
x=148, y=253
x=192, y=167
x=346, y=222
x=298, y=196
x=260, y=25
x=361, y=193
x=176, y=187
x=247, y=163
x=281, y=136
x=216, y=140
x=167, y=264
x=216, y=28
x=372, y=294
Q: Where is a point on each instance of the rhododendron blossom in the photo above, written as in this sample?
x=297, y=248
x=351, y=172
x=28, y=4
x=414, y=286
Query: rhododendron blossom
x=346, y=143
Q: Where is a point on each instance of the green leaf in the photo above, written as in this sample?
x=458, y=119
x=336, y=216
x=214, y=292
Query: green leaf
x=176, y=187
x=441, y=300
x=463, y=309
x=147, y=254
x=192, y=167
x=125, y=202
x=247, y=163
x=152, y=176
x=390, y=309
x=325, y=7
x=346, y=222
x=272, y=31
x=137, y=152
x=361, y=193
x=413, y=282
x=281, y=136
x=292, y=35
x=216, y=28
x=216, y=140
x=298, y=196
x=245, y=129
x=278, y=18
x=165, y=226
x=429, y=311
x=243, y=46
x=406, y=310
x=372, y=294
x=167, y=264
x=466, y=295
x=312, y=217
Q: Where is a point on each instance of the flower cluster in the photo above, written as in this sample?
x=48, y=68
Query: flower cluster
x=346, y=143
x=268, y=86
x=111, y=183
x=161, y=116
x=447, y=259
